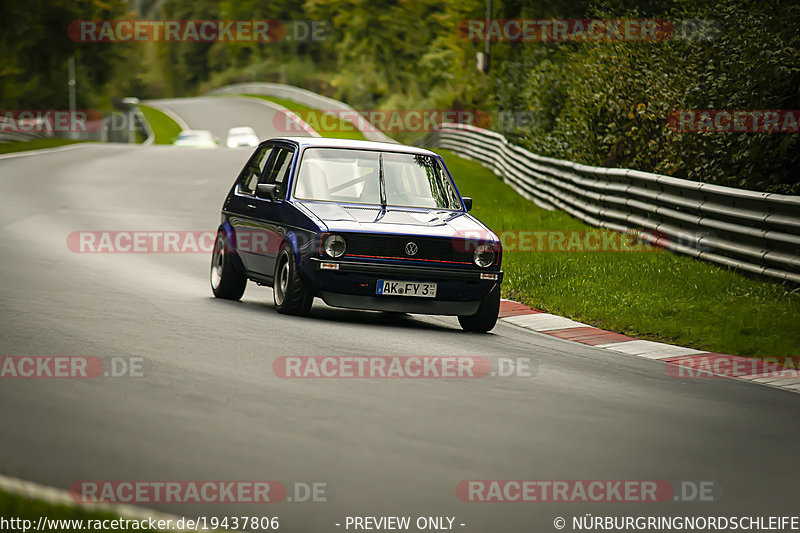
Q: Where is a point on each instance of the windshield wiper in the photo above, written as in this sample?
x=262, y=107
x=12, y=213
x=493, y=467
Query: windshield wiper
x=383, y=182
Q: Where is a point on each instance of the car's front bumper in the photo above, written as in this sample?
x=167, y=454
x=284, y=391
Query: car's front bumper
x=415, y=271
x=353, y=285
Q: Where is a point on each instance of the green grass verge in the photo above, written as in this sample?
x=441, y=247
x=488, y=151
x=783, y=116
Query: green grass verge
x=15, y=506
x=654, y=295
x=164, y=128
x=36, y=144
x=328, y=127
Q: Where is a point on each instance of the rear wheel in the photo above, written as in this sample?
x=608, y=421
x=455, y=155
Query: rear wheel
x=486, y=317
x=228, y=280
x=292, y=295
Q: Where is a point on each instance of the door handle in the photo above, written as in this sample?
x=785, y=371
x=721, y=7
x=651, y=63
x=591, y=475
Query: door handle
x=251, y=206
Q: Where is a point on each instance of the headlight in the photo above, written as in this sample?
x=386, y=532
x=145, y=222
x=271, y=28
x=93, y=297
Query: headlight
x=484, y=256
x=334, y=246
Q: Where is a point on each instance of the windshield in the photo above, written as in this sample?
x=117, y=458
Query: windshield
x=354, y=176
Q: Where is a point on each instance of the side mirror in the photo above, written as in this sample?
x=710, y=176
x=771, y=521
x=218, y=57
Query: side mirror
x=266, y=191
x=467, y=203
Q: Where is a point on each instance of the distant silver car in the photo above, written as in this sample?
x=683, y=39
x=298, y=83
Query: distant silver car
x=195, y=139
x=241, y=136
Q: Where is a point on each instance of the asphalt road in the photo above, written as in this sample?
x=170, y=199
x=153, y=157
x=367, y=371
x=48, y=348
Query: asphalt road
x=218, y=114
x=209, y=406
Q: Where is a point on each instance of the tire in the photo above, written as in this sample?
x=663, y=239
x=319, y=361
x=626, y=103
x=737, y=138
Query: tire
x=228, y=279
x=290, y=293
x=486, y=317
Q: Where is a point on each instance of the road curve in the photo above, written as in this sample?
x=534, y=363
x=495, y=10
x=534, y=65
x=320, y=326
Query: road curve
x=219, y=114
x=210, y=407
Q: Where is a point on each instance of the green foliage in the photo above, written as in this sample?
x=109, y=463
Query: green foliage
x=607, y=103
x=194, y=63
x=603, y=103
x=35, y=46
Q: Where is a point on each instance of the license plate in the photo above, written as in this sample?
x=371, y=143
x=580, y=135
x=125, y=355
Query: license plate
x=406, y=288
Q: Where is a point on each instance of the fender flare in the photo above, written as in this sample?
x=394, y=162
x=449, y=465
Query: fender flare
x=230, y=236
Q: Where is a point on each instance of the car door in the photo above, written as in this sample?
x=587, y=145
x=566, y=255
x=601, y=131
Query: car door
x=243, y=207
x=270, y=213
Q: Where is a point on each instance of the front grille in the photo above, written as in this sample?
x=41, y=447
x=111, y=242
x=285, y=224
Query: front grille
x=432, y=249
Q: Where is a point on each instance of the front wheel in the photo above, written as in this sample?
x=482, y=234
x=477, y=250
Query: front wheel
x=486, y=317
x=227, y=281
x=291, y=294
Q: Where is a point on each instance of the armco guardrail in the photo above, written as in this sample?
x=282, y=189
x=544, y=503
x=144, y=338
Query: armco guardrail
x=101, y=129
x=751, y=231
x=310, y=99
x=12, y=130
x=16, y=136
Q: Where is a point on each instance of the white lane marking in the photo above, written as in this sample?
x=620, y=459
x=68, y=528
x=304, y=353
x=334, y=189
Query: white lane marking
x=543, y=322
x=278, y=107
x=27, y=153
x=772, y=379
x=169, y=112
x=54, y=496
x=763, y=380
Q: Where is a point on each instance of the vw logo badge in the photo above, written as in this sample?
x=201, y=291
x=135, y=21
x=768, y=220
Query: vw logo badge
x=411, y=248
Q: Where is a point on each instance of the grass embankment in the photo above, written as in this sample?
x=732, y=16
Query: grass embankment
x=36, y=144
x=648, y=294
x=22, y=508
x=164, y=128
x=327, y=126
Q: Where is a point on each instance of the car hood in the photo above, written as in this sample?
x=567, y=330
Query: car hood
x=398, y=221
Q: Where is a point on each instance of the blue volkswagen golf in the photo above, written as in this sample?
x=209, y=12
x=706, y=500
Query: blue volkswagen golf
x=362, y=225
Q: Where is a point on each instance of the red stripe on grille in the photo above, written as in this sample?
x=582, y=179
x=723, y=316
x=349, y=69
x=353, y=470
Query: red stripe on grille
x=409, y=259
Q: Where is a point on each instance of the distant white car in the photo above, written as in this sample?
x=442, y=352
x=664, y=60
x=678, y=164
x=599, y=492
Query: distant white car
x=195, y=139
x=242, y=136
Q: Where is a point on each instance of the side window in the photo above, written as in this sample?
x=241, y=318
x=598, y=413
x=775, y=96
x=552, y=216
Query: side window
x=278, y=170
x=450, y=191
x=254, y=169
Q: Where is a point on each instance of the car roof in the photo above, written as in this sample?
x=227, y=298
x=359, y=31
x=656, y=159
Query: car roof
x=329, y=142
